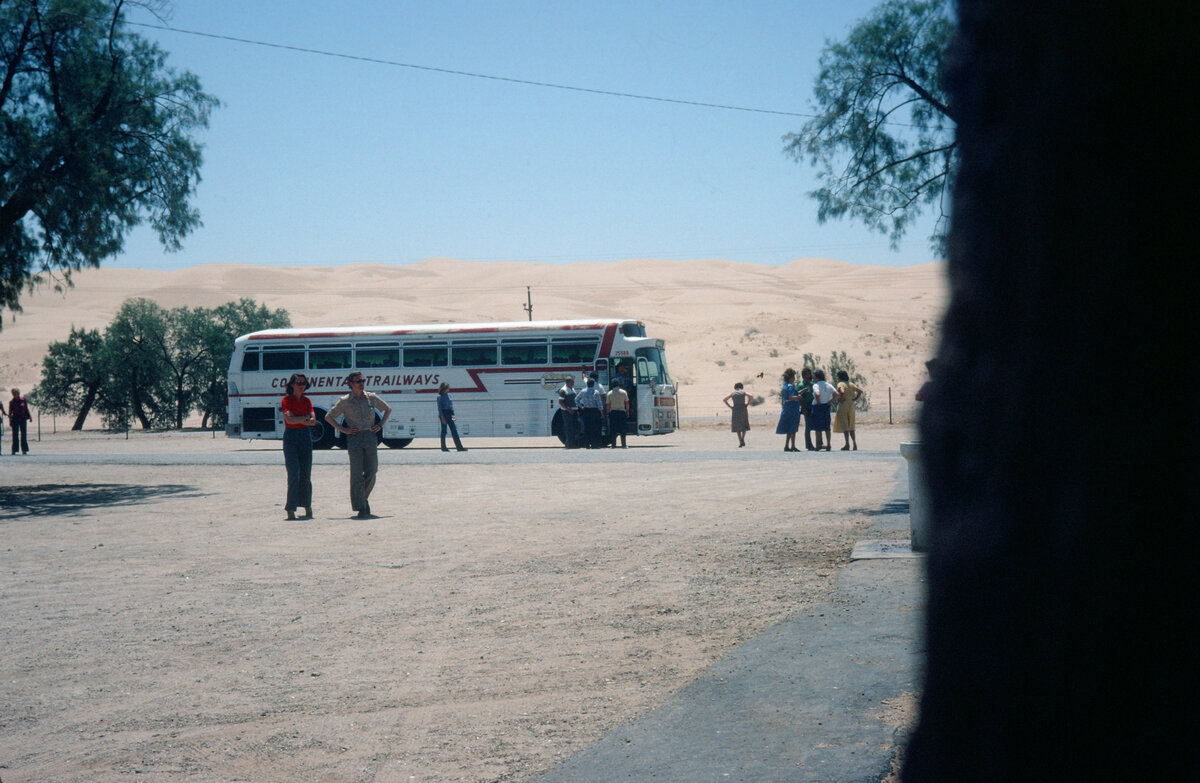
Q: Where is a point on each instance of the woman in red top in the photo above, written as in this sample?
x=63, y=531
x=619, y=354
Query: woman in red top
x=298, y=416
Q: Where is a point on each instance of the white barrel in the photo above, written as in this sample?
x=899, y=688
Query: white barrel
x=918, y=499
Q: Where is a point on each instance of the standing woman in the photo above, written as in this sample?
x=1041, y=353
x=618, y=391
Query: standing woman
x=789, y=417
x=823, y=393
x=298, y=416
x=847, y=395
x=446, y=416
x=736, y=402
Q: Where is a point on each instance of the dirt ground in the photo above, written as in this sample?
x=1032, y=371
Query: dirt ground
x=506, y=607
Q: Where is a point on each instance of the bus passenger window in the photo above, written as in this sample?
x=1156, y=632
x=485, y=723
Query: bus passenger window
x=329, y=358
x=574, y=351
x=520, y=352
x=473, y=355
x=425, y=356
x=283, y=358
x=250, y=361
x=374, y=357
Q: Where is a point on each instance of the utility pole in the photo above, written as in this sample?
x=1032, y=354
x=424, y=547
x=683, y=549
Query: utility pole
x=528, y=303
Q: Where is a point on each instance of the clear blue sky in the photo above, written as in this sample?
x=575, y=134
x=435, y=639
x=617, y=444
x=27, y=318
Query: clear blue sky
x=314, y=159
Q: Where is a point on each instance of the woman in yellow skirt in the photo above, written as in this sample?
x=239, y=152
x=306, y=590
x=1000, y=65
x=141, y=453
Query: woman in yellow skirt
x=847, y=395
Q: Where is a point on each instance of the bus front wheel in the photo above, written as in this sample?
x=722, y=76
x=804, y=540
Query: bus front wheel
x=397, y=443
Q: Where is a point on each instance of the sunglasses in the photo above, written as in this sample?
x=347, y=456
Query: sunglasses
x=356, y=380
x=300, y=382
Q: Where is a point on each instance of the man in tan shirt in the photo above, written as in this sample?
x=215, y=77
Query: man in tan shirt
x=357, y=411
x=617, y=404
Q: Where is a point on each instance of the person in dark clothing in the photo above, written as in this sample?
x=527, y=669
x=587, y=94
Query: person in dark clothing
x=18, y=418
x=591, y=408
x=569, y=414
x=806, y=403
x=298, y=418
x=446, y=415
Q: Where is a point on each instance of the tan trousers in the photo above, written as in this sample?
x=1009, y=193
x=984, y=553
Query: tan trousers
x=364, y=464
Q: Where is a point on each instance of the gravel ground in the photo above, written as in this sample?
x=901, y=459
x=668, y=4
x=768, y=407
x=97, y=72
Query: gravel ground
x=504, y=609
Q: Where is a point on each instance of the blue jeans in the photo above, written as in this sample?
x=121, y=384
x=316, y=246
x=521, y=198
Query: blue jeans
x=448, y=424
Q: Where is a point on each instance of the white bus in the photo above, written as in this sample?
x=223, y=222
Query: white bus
x=504, y=377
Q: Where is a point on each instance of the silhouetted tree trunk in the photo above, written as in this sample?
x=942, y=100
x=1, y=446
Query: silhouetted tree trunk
x=1061, y=433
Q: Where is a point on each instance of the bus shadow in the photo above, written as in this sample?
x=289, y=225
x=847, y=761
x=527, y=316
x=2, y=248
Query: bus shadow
x=46, y=500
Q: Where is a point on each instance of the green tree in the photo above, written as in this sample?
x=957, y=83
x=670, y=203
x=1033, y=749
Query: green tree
x=153, y=365
x=228, y=322
x=139, y=386
x=73, y=374
x=95, y=138
x=883, y=138
x=182, y=351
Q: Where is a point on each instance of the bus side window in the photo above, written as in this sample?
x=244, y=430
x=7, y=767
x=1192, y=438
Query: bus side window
x=425, y=356
x=284, y=358
x=573, y=351
x=376, y=357
x=523, y=352
x=328, y=358
x=250, y=361
x=473, y=355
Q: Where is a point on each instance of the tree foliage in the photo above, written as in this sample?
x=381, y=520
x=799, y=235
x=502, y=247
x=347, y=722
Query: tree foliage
x=138, y=386
x=883, y=138
x=95, y=138
x=73, y=373
x=152, y=365
x=225, y=324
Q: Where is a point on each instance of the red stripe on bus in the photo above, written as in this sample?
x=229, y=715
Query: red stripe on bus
x=610, y=333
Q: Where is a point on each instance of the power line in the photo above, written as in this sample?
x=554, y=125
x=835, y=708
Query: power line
x=469, y=74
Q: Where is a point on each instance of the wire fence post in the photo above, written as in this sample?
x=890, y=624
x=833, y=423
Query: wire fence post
x=890, y=405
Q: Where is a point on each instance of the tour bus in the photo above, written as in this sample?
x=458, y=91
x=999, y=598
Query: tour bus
x=504, y=377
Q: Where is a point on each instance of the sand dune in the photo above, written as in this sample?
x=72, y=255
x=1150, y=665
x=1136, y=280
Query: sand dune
x=723, y=322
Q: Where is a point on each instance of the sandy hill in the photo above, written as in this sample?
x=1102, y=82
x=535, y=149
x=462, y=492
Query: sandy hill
x=723, y=322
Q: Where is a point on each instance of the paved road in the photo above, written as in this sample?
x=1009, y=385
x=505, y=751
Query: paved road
x=810, y=699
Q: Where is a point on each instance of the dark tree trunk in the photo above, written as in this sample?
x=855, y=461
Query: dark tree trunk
x=1060, y=435
x=88, y=400
x=138, y=409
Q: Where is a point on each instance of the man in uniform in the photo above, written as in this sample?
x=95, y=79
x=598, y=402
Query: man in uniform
x=570, y=415
x=591, y=408
x=357, y=409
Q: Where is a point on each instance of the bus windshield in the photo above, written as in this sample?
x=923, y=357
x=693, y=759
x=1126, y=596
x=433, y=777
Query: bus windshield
x=651, y=367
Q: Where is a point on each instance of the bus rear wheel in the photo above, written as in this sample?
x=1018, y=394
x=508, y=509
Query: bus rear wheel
x=397, y=443
x=323, y=436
